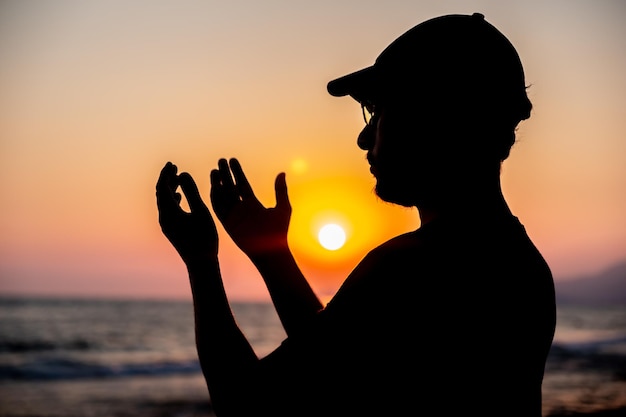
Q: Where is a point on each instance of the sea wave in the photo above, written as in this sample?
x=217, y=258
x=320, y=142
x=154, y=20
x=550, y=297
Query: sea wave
x=26, y=346
x=65, y=368
x=593, y=346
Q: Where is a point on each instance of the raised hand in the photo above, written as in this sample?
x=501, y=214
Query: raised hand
x=193, y=234
x=254, y=228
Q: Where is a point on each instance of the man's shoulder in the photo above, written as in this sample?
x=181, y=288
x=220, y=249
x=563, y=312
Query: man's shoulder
x=407, y=241
x=415, y=242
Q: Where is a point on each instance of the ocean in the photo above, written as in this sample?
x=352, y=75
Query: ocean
x=118, y=358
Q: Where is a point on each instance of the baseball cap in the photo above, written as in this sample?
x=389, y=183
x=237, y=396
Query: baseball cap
x=450, y=54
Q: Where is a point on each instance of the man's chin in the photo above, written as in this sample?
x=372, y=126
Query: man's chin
x=393, y=195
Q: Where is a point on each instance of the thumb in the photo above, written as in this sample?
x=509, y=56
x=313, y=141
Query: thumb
x=282, y=198
x=190, y=189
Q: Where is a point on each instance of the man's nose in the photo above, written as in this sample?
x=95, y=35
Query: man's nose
x=365, y=140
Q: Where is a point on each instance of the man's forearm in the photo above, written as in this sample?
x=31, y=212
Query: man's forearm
x=293, y=297
x=225, y=355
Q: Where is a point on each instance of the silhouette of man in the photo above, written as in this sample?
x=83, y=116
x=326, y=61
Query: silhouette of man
x=454, y=318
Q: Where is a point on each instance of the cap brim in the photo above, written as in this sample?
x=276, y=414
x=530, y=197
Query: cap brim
x=360, y=85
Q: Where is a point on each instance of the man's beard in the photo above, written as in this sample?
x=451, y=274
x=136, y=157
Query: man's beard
x=395, y=192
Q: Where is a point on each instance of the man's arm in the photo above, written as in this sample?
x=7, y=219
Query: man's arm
x=227, y=359
x=261, y=233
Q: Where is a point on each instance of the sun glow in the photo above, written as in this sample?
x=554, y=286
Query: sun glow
x=332, y=236
x=347, y=202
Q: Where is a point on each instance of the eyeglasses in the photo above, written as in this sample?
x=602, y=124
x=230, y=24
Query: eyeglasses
x=369, y=112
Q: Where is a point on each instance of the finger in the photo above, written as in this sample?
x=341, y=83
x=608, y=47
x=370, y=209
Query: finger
x=282, y=197
x=190, y=189
x=216, y=178
x=243, y=186
x=219, y=190
x=225, y=176
x=217, y=196
x=223, y=199
x=165, y=176
x=216, y=184
x=165, y=187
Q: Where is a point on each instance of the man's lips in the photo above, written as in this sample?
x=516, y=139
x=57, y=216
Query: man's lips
x=373, y=168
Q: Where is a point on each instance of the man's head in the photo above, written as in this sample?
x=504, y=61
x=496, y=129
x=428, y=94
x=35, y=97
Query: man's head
x=456, y=68
x=448, y=95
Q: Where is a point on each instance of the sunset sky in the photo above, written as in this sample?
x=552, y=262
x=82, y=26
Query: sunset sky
x=95, y=97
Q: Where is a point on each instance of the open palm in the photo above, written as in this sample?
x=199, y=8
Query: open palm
x=253, y=227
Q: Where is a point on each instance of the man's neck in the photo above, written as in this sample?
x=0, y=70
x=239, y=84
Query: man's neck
x=470, y=203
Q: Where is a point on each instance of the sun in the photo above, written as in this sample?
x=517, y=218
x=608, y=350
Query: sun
x=332, y=236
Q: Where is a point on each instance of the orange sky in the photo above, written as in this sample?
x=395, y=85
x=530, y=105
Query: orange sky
x=96, y=96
